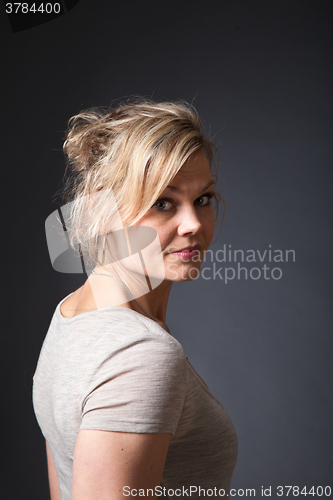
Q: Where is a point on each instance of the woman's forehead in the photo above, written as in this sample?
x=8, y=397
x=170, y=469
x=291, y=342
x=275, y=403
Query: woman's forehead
x=195, y=169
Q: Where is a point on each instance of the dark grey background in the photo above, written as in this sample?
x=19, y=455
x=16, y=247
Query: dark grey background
x=260, y=74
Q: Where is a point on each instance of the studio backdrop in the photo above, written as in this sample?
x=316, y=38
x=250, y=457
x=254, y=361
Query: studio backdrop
x=256, y=322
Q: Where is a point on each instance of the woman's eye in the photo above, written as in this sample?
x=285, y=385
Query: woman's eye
x=204, y=200
x=163, y=205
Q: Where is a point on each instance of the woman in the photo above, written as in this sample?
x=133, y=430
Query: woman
x=123, y=412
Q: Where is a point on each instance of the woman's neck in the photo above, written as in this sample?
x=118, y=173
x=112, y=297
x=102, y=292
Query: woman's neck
x=155, y=302
x=117, y=287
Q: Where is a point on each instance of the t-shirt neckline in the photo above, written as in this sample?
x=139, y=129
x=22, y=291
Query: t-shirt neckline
x=93, y=312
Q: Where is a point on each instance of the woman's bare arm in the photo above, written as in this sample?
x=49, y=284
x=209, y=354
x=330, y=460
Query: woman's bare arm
x=105, y=462
x=53, y=479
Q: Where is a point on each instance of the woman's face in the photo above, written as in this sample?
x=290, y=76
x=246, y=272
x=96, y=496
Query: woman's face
x=184, y=219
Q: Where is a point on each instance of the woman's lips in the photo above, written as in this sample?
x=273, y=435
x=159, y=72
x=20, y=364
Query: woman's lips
x=188, y=252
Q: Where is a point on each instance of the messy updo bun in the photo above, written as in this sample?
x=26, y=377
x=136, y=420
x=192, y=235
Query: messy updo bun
x=120, y=160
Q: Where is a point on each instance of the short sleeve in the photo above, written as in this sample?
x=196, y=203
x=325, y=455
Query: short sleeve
x=137, y=387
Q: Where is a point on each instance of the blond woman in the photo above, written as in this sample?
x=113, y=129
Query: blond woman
x=123, y=412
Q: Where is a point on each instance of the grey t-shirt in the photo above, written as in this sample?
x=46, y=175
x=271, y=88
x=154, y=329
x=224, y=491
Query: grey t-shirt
x=113, y=369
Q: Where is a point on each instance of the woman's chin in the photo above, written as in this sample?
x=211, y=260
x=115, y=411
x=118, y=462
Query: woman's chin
x=183, y=273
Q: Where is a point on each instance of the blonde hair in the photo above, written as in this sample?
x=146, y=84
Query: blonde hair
x=135, y=149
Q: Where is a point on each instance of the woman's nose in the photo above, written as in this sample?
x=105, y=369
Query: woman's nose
x=189, y=222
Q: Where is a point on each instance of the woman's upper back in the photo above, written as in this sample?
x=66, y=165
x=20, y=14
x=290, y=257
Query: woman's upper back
x=113, y=369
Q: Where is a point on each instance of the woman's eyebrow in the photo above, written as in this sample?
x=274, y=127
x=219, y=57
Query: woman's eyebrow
x=175, y=188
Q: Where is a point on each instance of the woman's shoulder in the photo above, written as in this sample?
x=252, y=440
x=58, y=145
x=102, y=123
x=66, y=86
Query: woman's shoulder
x=112, y=328
x=77, y=303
